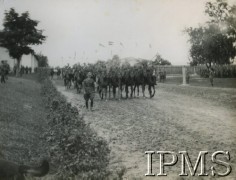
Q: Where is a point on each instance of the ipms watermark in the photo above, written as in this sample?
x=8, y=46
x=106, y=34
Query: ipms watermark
x=186, y=163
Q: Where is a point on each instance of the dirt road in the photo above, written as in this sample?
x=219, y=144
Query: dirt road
x=171, y=121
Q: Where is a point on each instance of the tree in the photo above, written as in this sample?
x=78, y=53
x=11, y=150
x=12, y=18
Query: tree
x=160, y=61
x=19, y=33
x=214, y=42
x=42, y=60
x=224, y=15
x=115, y=63
x=209, y=46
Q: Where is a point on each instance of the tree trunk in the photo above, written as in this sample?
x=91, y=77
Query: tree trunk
x=18, y=70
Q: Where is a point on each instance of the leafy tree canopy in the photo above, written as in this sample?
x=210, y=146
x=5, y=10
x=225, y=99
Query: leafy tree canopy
x=214, y=42
x=160, y=61
x=42, y=60
x=19, y=33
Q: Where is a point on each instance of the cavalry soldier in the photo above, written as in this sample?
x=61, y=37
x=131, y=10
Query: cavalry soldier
x=89, y=90
x=102, y=85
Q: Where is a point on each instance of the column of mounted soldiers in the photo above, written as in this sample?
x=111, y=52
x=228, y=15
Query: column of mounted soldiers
x=111, y=81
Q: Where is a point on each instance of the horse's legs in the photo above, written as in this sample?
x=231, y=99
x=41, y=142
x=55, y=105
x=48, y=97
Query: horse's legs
x=138, y=89
x=64, y=81
x=114, y=92
x=131, y=88
x=121, y=89
x=109, y=89
x=134, y=89
x=105, y=93
x=126, y=90
x=152, y=87
x=150, y=90
x=79, y=88
x=119, y=96
x=143, y=90
x=100, y=91
x=153, y=90
x=69, y=84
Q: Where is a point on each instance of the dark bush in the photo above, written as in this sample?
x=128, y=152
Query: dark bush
x=221, y=71
x=74, y=148
x=42, y=73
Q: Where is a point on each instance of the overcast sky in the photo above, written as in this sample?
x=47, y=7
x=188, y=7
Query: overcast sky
x=138, y=28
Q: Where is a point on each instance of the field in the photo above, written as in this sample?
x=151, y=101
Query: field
x=22, y=120
x=178, y=118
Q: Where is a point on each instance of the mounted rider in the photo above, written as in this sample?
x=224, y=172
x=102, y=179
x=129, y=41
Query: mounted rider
x=89, y=90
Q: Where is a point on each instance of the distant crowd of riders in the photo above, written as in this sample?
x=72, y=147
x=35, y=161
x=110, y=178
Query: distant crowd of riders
x=111, y=80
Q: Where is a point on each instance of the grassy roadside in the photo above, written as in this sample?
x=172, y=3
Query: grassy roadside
x=22, y=121
x=36, y=121
x=203, y=82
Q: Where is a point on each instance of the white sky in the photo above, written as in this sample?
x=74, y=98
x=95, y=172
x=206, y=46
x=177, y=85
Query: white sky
x=74, y=28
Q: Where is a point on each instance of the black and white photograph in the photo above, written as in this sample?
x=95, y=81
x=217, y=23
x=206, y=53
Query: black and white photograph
x=117, y=89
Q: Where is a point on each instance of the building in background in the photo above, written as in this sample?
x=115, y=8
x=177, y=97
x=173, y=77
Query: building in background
x=26, y=60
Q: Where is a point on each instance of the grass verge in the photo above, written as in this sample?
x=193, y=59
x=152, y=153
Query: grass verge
x=22, y=120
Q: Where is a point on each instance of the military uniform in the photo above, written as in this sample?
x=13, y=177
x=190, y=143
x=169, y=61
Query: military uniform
x=89, y=91
x=89, y=88
x=211, y=76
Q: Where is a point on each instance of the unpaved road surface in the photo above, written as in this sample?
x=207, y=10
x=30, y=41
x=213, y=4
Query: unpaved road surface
x=171, y=121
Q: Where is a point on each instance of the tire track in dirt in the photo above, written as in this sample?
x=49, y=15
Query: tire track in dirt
x=135, y=125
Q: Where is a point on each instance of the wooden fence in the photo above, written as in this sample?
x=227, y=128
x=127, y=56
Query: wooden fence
x=221, y=71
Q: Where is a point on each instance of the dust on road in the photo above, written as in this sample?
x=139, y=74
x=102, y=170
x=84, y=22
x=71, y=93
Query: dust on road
x=169, y=122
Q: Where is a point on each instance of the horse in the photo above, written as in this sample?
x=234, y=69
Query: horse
x=68, y=78
x=128, y=81
x=143, y=77
x=114, y=82
x=151, y=82
x=78, y=79
x=58, y=73
x=103, y=82
x=139, y=80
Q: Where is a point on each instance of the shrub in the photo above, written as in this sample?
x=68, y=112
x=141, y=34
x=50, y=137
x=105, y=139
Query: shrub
x=74, y=148
x=43, y=73
x=221, y=71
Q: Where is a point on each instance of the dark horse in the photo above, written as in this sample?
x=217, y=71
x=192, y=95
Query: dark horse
x=78, y=78
x=114, y=79
x=102, y=80
x=151, y=82
x=142, y=78
x=68, y=78
x=139, y=80
x=128, y=80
